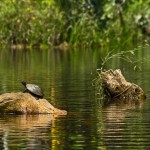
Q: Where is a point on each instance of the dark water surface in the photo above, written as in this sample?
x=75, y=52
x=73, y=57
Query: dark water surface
x=66, y=79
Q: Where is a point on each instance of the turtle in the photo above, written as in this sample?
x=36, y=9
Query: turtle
x=33, y=89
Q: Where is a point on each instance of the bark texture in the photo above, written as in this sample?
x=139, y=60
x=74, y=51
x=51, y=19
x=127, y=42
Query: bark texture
x=24, y=103
x=116, y=86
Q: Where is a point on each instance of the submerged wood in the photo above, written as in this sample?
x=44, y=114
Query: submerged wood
x=116, y=86
x=24, y=103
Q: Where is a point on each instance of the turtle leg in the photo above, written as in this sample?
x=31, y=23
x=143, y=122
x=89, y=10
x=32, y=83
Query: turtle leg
x=25, y=90
x=36, y=98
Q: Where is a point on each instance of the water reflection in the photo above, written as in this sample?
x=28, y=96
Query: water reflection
x=31, y=131
x=113, y=129
x=66, y=79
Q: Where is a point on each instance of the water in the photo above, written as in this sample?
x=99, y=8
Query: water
x=65, y=77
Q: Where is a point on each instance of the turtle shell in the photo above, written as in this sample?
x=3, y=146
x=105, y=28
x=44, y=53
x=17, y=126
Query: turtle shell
x=34, y=89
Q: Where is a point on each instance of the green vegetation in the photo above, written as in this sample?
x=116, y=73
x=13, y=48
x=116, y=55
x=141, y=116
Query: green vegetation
x=131, y=57
x=102, y=23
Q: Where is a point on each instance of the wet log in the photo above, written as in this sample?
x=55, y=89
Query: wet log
x=116, y=86
x=25, y=103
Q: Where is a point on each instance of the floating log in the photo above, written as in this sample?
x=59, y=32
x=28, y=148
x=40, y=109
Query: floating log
x=25, y=103
x=116, y=86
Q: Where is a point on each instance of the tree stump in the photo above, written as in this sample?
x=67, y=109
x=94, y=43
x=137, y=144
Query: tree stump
x=116, y=86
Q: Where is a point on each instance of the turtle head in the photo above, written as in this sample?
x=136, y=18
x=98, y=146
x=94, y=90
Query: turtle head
x=24, y=83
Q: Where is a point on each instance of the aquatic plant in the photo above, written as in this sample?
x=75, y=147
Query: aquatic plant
x=130, y=56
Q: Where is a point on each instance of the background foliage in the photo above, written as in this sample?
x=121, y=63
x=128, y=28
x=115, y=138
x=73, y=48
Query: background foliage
x=79, y=23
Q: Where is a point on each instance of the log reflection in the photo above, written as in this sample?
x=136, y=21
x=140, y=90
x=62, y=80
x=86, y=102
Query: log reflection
x=31, y=130
x=115, y=117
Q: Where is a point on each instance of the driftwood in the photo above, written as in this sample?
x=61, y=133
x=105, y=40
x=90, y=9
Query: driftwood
x=116, y=86
x=25, y=103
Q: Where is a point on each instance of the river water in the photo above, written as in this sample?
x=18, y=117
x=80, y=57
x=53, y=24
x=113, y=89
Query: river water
x=66, y=79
